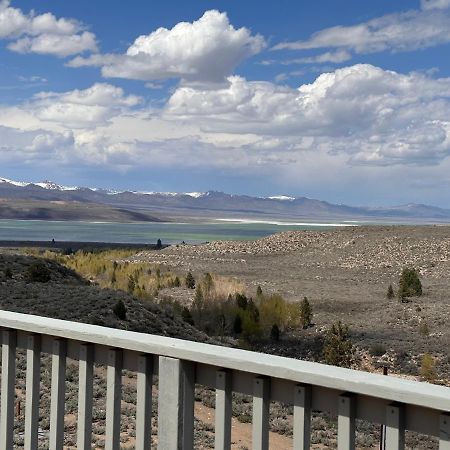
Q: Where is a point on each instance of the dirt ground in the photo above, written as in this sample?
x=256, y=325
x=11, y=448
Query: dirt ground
x=345, y=275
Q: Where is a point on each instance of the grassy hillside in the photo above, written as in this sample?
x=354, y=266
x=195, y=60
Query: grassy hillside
x=67, y=296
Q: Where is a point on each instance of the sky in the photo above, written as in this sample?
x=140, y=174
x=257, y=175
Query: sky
x=347, y=102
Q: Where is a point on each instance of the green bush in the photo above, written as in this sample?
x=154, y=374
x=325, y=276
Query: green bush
x=428, y=368
x=377, y=350
x=409, y=284
x=423, y=328
x=38, y=273
x=338, y=349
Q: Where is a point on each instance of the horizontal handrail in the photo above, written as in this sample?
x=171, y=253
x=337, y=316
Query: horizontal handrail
x=373, y=385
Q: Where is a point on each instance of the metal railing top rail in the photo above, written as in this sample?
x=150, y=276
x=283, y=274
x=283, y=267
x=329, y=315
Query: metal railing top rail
x=347, y=380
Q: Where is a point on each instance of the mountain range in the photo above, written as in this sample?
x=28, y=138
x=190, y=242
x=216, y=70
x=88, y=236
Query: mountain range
x=48, y=200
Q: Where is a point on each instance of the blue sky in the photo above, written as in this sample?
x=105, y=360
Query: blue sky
x=344, y=101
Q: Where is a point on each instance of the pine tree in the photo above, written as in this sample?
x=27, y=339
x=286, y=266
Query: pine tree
x=305, y=313
x=208, y=284
x=190, y=281
x=241, y=301
x=237, y=325
x=390, y=292
x=409, y=284
x=259, y=292
x=338, y=349
x=275, y=333
x=120, y=310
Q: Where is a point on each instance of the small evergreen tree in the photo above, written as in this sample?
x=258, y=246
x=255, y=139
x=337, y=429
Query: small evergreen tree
x=198, y=300
x=237, y=325
x=158, y=244
x=338, y=349
x=176, y=282
x=120, y=310
x=275, y=333
x=390, y=292
x=208, y=284
x=241, y=301
x=259, y=292
x=409, y=284
x=190, y=281
x=253, y=311
x=305, y=313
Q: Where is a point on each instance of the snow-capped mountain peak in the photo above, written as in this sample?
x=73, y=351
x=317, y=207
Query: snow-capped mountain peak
x=281, y=197
x=49, y=185
x=14, y=183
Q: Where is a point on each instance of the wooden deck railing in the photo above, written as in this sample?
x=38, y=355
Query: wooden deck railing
x=399, y=404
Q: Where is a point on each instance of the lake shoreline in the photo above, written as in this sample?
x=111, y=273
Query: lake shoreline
x=75, y=245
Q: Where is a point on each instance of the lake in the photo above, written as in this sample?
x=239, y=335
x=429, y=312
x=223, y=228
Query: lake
x=149, y=233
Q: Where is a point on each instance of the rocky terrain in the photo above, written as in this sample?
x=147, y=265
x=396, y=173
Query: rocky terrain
x=345, y=274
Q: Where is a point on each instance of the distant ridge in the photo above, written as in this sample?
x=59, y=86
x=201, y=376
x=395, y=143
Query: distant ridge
x=214, y=204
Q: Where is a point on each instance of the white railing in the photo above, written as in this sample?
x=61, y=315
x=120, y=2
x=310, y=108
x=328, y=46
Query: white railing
x=399, y=404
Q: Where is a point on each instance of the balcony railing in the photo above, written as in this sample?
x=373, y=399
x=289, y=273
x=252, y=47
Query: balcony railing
x=399, y=404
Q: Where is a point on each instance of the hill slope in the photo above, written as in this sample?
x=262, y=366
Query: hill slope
x=69, y=297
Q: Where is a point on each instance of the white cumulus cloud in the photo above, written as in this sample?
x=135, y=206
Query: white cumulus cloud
x=372, y=115
x=405, y=31
x=43, y=33
x=88, y=108
x=205, y=50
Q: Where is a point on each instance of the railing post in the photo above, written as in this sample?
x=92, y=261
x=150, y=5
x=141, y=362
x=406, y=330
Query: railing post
x=7, y=389
x=444, y=432
x=395, y=427
x=144, y=402
x=261, y=404
x=346, y=422
x=113, y=399
x=85, y=391
x=57, y=399
x=175, y=404
x=33, y=376
x=188, y=380
x=223, y=410
x=302, y=417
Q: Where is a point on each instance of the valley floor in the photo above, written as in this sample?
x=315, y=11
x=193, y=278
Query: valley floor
x=345, y=275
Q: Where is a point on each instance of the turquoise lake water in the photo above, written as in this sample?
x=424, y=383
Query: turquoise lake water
x=147, y=233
